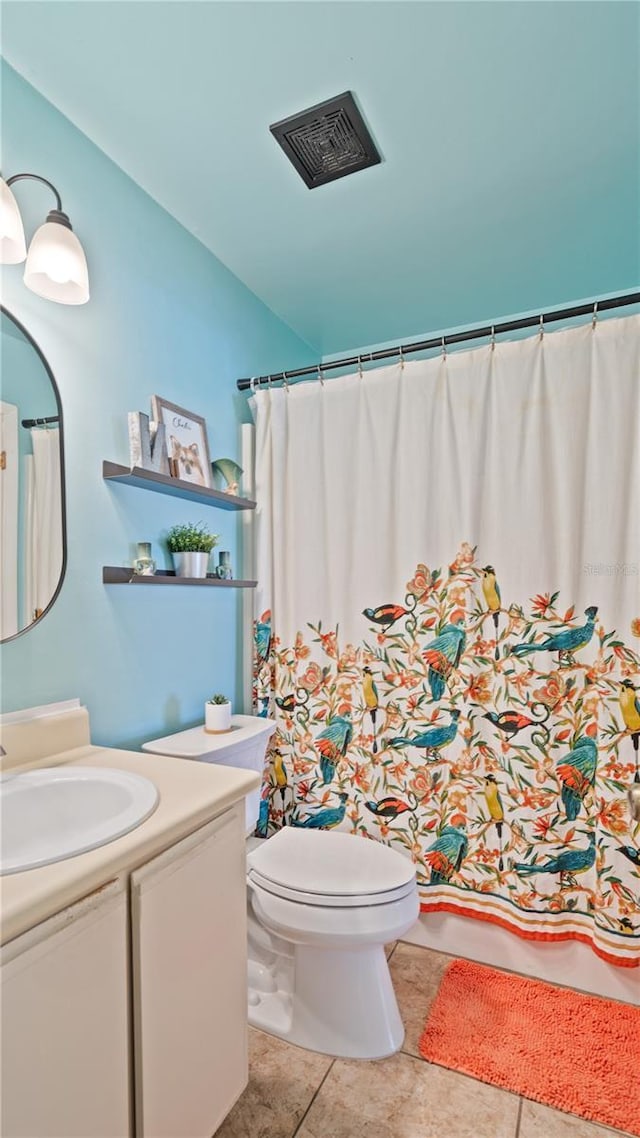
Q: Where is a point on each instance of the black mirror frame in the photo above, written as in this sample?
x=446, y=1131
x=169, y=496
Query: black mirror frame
x=63, y=506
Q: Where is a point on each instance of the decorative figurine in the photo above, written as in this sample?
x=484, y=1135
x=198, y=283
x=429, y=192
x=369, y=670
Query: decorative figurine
x=227, y=475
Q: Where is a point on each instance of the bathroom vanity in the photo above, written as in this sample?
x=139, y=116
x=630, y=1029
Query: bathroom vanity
x=123, y=969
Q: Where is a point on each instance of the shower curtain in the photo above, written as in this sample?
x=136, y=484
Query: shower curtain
x=8, y=519
x=448, y=621
x=43, y=528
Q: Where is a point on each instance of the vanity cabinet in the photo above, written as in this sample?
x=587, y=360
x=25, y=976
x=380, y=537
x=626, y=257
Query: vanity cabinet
x=65, y=1023
x=126, y=1013
x=189, y=937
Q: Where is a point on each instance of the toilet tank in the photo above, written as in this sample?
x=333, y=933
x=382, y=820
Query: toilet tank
x=245, y=746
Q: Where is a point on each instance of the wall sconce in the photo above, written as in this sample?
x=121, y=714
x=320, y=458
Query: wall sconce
x=56, y=267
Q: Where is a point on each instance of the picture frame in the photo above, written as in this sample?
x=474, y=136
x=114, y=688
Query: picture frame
x=186, y=442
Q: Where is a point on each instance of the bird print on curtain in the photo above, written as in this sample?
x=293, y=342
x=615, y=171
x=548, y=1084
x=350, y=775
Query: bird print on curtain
x=491, y=739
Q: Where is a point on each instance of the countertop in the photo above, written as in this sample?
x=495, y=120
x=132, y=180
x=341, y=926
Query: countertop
x=191, y=794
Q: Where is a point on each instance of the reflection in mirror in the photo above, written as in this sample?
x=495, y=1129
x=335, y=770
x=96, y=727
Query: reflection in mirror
x=32, y=537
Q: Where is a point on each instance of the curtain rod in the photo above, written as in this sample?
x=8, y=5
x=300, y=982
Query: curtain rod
x=443, y=341
x=40, y=422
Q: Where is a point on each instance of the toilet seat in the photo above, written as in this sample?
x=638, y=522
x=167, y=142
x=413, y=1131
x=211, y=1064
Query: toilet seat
x=331, y=926
x=329, y=869
x=330, y=901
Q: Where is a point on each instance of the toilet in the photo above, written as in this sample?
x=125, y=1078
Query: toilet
x=321, y=906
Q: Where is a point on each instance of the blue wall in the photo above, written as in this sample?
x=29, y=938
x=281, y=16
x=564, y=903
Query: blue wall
x=165, y=317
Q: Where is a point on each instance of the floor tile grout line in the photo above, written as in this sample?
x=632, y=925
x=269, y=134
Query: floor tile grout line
x=520, y=1106
x=522, y=1098
x=314, y=1096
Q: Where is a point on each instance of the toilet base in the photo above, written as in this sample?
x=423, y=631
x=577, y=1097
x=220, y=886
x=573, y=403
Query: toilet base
x=336, y=1001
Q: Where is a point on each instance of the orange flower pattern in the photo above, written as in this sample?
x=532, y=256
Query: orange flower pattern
x=490, y=761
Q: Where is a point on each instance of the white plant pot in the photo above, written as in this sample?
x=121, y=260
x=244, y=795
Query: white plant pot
x=217, y=718
x=191, y=564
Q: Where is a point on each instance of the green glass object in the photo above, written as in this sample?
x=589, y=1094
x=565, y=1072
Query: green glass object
x=224, y=570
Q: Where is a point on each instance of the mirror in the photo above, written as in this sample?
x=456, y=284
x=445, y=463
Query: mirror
x=33, y=550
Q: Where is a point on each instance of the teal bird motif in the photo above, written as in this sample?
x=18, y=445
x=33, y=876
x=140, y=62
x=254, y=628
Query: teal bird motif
x=568, y=863
x=577, y=774
x=443, y=655
x=263, y=638
x=326, y=818
x=565, y=642
x=433, y=739
x=446, y=854
x=632, y=854
x=332, y=743
x=262, y=825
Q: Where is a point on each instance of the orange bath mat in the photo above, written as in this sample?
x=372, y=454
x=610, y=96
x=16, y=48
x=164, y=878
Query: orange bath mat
x=577, y=1053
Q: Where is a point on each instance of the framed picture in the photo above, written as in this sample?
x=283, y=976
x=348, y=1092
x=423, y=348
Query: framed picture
x=186, y=440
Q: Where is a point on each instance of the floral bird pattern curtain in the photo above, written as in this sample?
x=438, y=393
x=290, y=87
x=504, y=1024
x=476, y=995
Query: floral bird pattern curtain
x=448, y=625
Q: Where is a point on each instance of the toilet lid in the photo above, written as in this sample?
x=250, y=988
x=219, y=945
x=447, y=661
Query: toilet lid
x=333, y=901
x=321, y=863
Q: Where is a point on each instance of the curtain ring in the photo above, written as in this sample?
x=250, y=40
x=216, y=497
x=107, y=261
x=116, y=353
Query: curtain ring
x=360, y=371
x=444, y=349
x=401, y=358
x=493, y=338
x=269, y=381
x=284, y=380
x=594, y=318
x=320, y=375
x=541, y=326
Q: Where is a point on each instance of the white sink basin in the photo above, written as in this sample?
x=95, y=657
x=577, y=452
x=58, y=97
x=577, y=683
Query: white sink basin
x=57, y=812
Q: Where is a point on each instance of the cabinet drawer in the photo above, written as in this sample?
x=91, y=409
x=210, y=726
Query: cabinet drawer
x=188, y=917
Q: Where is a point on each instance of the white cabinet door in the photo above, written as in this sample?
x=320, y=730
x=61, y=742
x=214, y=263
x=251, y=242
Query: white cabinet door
x=188, y=916
x=64, y=1030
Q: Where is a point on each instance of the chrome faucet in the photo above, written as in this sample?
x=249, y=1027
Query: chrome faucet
x=634, y=801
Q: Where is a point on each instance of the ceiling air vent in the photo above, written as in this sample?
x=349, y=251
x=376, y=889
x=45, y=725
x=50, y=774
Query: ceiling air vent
x=327, y=141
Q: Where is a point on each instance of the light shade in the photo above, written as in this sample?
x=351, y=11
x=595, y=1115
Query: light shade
x=12, y=245
x=56, y=266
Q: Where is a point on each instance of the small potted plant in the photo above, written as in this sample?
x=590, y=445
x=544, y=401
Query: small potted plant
x=217, y=715
x=190, y=546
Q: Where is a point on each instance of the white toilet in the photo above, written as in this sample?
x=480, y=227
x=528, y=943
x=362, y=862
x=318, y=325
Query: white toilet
x=322, y=905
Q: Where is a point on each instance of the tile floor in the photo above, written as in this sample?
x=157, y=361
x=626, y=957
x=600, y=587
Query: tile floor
x=294, y=1093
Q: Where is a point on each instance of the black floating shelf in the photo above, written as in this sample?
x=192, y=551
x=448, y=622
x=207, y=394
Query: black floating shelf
x=117, y=575
x=176, y=487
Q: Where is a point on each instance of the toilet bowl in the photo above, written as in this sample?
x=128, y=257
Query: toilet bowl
x=321, y=906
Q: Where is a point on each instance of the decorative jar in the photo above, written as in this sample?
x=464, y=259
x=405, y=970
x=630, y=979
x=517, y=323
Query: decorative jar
x=143, y=563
